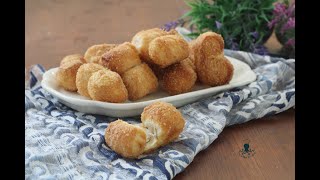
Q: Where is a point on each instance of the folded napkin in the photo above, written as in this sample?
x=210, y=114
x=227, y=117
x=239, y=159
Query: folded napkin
x=61, y=143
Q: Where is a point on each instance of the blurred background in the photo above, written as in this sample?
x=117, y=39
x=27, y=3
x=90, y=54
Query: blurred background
x=56, y=28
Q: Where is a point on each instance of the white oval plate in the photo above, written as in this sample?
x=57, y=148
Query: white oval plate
x=242, y=75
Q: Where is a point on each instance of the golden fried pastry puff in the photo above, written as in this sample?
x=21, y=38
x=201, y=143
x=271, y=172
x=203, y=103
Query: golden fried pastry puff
x=106, y=85
x=121, y=58
x=66, y=74
x=72, y=57
x=206, y=45
x=163, y=123
x=94, y=53
x=125, y=139
x=215, y=71
x=140, y=81
x=84, y=73
x=167, y=50
x=179, y=78
x=142, y=39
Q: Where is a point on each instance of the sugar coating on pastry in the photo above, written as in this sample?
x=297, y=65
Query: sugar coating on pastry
x=218, y=71
x=121, y=58
x=142, y=39
x=206, y=45
x=140, y=81
x=106, y=85
x=125, y=139
x=66, y=74
x=84, y=73
x=72, y=57
x=94, y=53
x=179, y=78
x=167, y=50
x=163, y=123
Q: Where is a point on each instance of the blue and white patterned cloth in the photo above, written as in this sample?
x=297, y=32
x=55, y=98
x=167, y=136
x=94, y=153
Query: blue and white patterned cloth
x=61, y=143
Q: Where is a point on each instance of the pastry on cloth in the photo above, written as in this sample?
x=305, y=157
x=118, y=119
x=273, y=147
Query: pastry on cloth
x=121, y=58
x=106, y=85
x=212, y=67
x=163, y=123
x=84, y=73
x=179, y=78
x=140, y=81
x=167, y=50
x=142, y=39
x=126, y=139
x=67, y=71
x=94, y=53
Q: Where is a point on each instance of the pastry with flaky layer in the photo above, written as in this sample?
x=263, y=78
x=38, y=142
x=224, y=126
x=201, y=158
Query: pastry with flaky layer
x=142, y=40
x=84, y=73
x=94, y=53
x=179, y=78
x=212, y=67
x=167, y=50
x=66, y=74
x=219, y=71
x=106, y=85
x=163, y=123
x=126, y=139
x=140, y=81
x=121, y=58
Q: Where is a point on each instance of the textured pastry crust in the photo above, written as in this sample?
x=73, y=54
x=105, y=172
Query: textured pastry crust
x=167, y=50
x=72, y=57
x=140, y=81
x=121, y=58
x=94, y=53
x=164, y=122
x=142, y=39
x=206, y=45
x=179, y=78
x=212, y=67
x=125, y=139
x=106, y=85
x=84, y=73
x=218, y=71
x=66, y=74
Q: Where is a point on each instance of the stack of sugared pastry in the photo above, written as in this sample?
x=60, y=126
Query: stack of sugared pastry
x=154, y=58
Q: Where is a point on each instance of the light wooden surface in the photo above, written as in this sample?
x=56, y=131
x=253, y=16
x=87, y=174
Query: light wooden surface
x=57, y=28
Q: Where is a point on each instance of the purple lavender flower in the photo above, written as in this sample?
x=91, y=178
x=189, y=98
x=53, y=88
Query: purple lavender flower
x=255, y=34
x=218, y=24
x=279, y=9
x=173, y=24
x=272, y=23
x=170, y=25
x=290, y=42
x=291, y=10
x=289, y=25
